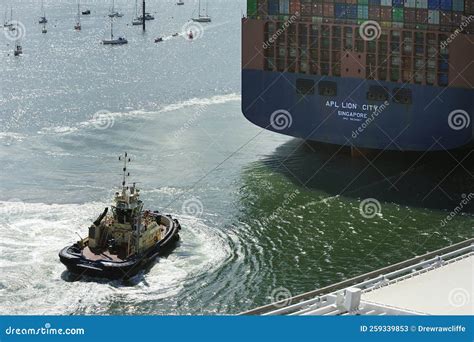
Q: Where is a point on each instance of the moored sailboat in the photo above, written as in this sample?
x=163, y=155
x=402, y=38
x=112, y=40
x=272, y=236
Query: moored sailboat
x=114, y=41
x=78, y=26
x=202, y=18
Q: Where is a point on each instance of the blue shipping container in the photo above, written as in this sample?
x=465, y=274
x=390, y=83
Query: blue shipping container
x=374, y=2
x=340, y=11
x=433, y=4
x=458, y=5
x=398, y=3
x=351, y=11
x=273, y=7
x=446, y=5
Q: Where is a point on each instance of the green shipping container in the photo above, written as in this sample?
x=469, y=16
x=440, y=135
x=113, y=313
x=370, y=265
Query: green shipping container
x=397, y=14
x=362, y=12
x=252, y=8
x=362, y=2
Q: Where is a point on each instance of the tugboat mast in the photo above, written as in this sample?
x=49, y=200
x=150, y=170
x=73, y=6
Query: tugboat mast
x=126, y=174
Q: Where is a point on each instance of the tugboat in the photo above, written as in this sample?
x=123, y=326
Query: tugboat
x=125, y=241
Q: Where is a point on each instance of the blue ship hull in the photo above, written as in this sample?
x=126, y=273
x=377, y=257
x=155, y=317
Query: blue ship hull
x=271, y=100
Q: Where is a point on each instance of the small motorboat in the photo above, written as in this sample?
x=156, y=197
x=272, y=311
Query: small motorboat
x=190, y=35
x=137, y=21
x=175, y=35
x=123, y=240
x=148, y=16
x=113, y=41
x=44, y=30
x=86, y=12
x=158, y=40
x=18, y=50
x=180, y=3
x=43, y=20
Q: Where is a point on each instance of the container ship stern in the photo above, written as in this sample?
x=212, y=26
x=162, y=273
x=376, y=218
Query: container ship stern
x=372, y=74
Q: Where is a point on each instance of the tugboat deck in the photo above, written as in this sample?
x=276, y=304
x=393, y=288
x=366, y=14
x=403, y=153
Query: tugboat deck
x=105, y=255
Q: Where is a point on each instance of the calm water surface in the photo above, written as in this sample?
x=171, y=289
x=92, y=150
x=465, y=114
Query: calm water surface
x=260, y=211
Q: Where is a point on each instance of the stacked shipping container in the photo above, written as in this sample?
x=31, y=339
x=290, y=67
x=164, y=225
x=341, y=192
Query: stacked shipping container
x=444, y=15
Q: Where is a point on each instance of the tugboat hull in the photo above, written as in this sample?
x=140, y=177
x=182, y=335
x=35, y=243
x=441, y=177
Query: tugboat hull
x=78, y=263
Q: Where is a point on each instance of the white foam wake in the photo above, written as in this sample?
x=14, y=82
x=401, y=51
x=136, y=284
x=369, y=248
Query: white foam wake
x=32, y=278
x=112, y=117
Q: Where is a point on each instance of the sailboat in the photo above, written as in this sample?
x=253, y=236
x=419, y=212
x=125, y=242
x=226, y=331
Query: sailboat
x=202, y=18
x=18, y=48
x=112, y=40
x=78, y=27
x=113, y=13
x=137, y=20
x=43, y=19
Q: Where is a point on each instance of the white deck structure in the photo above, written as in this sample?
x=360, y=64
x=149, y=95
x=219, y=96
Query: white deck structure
x=437, y=283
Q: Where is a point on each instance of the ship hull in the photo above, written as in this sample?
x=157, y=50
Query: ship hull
x=271, y=100
x=78, y=264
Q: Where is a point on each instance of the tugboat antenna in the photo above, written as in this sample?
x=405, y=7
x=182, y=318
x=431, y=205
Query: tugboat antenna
x=126, y=174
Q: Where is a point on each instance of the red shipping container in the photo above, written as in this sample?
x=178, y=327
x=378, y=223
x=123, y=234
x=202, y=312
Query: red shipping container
x=409, y=15
x=317, y=10
x=422, y=16
x=306, y=9
x=295, y=6
x=469, y=6
x=457, y=18
x=328, y=10
x=374, y=12
x=445, y=18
